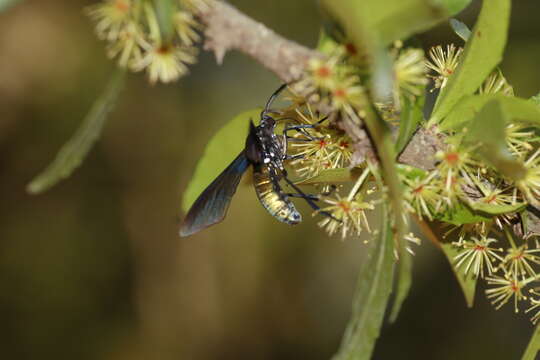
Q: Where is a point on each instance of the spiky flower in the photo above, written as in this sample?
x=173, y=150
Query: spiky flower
x=186, y=27
x=519, y=138
x=468, y=231
x=505, y=288
x=535, y=304
x=111, y=16
x=126, y=47
x=477, y=255
x=134, y=36
x=320, y=147
x=530, y=183
x=422, y=195
x=349, y=213
x=321, y=73
x=496, y=83
x=443, y=63
x=165, y=63
x=519, y=261
x=410, y=71
x=345, y=91
x=455, y=167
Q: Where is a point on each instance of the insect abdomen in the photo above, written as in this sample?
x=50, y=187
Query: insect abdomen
x=274, y=201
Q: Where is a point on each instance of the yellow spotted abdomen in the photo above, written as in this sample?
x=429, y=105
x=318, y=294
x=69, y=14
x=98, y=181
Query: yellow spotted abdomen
x=273, y=199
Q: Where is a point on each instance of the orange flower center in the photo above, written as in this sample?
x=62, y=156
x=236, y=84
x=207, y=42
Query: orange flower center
x=340, y=93
x=344, y=206
x=322, y=144
x=163, y=49
x=323, y=72
x=122, y=5
x=452, y=158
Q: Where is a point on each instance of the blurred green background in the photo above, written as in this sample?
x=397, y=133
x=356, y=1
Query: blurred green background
x=94, y=269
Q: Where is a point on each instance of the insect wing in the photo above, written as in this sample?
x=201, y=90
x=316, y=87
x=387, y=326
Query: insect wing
x=211, y=206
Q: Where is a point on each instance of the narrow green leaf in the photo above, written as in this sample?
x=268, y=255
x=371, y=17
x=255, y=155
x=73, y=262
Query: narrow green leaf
x=488, y=132
x=411, y=116
x=411, y=172
x=6, y=4
x=496, y=209
x=534, y=345
x=461, y=214
x=220, y=151
x=466, y=281
x=332, y=176
x=460, y=29
x=75, y=150
x=372, y=293
x=514, y=109
x=391, y=20
x=404, y=282
x=482, y=53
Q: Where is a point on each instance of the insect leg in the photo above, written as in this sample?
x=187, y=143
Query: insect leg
x=304, y=196
x=309, y=200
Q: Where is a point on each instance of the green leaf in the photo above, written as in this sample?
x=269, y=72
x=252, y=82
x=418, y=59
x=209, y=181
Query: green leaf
x=514, y=109
x=372, y=293
x=404, y=282
x=6, y=4
x=391, y=20
x=332, y=176
x=75, y=150
x=460, y=29
x=482, y=53
x=466, y=281
x=534, y=345
x=496, y=209
x=220, y=151
x=488, y=134
x=412, y=114
x=460, y=214
x=411, y=172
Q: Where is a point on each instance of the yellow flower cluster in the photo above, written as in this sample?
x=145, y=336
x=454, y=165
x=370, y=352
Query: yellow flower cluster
x=140, y=42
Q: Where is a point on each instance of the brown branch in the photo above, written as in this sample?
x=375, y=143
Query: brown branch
x=229, y=29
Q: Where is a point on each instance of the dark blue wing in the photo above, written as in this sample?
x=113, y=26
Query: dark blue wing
x=211, y=206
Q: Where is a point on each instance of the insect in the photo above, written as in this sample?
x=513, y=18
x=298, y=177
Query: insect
x=266, y=152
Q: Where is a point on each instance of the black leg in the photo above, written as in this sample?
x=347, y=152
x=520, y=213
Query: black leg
x=309, y=200
x=304, y=196
x=294, y=157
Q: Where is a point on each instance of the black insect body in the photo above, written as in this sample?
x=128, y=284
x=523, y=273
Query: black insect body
x=266, y=152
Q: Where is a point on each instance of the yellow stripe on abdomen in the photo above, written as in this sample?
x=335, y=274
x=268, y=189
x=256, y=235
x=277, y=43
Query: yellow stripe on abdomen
x=273, y=200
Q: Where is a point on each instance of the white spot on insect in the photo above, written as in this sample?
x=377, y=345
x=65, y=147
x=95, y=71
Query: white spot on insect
x=266, y=160
x=272, y=154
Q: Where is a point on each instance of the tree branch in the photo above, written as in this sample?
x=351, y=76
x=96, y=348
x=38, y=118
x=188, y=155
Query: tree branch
x=229, y=29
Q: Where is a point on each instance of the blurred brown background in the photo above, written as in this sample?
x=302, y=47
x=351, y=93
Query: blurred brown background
x=94, y=269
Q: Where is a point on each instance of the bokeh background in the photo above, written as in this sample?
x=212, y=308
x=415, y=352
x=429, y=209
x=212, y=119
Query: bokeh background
x=94, y=269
